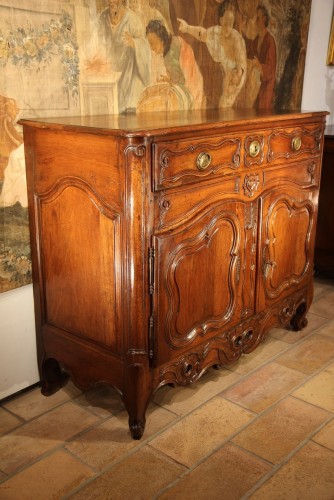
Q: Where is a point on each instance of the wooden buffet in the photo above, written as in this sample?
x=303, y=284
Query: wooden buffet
x=164, y=244
x=324, y=243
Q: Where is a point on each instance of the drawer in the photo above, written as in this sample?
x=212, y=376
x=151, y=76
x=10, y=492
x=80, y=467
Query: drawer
x=182, y=162
x=304, y=174
x=294, y=143
x=173, y=208
x=177, y=163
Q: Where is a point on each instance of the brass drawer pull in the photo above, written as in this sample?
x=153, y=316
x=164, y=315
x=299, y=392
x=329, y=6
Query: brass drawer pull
x=203, y=161
x=254, y=148
x=296, y=143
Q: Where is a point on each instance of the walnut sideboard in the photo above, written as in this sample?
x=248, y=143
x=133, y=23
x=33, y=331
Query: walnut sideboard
x=164, y=244
x=324, y=242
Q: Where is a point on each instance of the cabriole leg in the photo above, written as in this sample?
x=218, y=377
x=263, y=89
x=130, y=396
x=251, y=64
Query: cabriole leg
x=136, y=397
x=53, y=377
x=299, y=321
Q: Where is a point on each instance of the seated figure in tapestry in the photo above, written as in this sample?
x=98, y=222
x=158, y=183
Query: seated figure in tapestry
x=176, y=82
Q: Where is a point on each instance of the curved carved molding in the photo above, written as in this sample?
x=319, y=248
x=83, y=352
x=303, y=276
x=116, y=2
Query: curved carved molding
x=311, y=143
x=138, y=150
x=55, y=375
x=227, y=347
x=232, y=162
x=200, y=202
x=289, y=309
x=71, y=274
x=164, y=205
x=270, y=254
x=312, y=171
x=75, y=182
x=304, y=175
x=192, y=246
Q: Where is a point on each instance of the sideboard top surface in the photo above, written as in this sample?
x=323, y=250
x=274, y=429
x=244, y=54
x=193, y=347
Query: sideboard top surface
x=163, y=123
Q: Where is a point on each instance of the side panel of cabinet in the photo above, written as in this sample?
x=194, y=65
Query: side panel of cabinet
x=79, y=217
x=204, y=277
x=287, y=242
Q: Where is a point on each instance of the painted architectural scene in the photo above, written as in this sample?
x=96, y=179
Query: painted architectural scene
x=80, y=57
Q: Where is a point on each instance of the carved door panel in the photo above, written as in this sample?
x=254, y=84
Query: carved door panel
x=204, y=278
x=287, y=238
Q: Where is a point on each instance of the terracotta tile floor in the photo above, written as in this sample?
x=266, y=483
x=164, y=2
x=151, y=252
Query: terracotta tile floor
x=264, y=428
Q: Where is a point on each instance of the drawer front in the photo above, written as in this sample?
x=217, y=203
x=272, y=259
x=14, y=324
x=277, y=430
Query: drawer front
x=182, y=162
x=292, y=144
x=303, y=174
x=173, y=208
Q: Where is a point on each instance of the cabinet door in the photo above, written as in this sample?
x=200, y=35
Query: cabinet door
x=287, y=242
x=204, y=277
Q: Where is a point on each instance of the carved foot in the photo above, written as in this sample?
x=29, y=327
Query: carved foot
x=297, y=325
x=53, y=377
x=137, y=428
x=299, y=321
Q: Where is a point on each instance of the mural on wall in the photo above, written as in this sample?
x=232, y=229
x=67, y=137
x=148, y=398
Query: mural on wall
x=70, y=57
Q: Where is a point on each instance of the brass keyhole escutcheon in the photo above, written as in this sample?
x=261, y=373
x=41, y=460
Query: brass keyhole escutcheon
x=296, y=143
x=203, y=161
x=254, y=148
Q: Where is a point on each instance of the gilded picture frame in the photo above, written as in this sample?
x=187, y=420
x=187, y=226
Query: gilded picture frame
x=330, y=52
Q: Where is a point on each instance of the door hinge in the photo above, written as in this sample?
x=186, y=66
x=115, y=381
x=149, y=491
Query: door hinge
x=151, y=280
x=151, y=338
x=151, y=284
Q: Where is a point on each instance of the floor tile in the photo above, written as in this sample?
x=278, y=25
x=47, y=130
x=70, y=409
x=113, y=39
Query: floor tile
x=33, y=403
x=322, y=286
x=319, y=390
x=8, y=421
x=324, y=306
x=182, y=400
x=309, y=356
x=43, y=434
x=289, y=336
x=237, y=430
x=104, y=444
x=227, y=474
x=262, y=354
x=327, y=329
x=325, y=437
x=308, y=475
x=264, y=387
x=212, y=424
x=110, y=440
x=179, y=400
x=51, y=478
x=140, y=476
x=276, y=433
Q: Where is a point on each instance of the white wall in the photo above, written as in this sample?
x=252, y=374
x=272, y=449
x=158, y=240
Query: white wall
x=318, y=89
x=18, y=365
